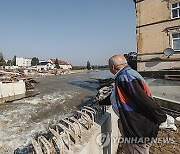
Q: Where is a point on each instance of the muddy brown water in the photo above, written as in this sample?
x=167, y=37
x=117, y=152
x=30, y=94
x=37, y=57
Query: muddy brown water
x=59, y=97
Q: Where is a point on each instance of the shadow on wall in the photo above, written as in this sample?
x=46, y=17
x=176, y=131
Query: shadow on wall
x=153, y=62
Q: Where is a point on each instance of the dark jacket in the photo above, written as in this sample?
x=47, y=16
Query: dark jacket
x=139, y=114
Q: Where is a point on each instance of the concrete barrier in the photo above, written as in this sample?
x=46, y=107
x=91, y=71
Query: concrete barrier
x=101, y=138
x=12, y=89
x=91, y=143
x=167, y=103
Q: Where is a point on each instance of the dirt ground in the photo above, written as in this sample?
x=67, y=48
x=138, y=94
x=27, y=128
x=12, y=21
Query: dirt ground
x=171, y=146
x=168, y=148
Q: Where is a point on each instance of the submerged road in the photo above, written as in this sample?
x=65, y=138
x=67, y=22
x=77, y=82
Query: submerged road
x=59, y=96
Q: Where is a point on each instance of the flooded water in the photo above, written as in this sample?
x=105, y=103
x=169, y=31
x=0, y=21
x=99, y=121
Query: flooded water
x=59, y=96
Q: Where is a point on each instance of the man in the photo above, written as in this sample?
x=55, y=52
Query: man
x=139, y=115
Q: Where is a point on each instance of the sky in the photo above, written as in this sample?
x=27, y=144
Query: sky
x=73, y=30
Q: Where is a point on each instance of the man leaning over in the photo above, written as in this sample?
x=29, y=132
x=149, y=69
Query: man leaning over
x=131, y=99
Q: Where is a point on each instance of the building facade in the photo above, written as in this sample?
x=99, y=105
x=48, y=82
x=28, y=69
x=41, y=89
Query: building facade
x=44, y=66
x=62, y=64
x=23, y=62
x=157, y=28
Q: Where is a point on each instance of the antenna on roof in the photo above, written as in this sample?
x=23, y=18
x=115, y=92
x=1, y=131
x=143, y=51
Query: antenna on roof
x=168, y=52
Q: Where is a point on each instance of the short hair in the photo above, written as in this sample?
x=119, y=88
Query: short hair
x=115, y=61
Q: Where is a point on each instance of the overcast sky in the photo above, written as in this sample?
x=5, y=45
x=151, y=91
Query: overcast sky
x=71, y=30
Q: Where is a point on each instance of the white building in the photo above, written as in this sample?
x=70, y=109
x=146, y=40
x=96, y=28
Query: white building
x=62, y=64
x=26, y=62
x=44, y=66
x=42, y=61
x=10, y=67
x=65, y=66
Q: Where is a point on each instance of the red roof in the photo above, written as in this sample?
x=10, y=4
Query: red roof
x=61, y=62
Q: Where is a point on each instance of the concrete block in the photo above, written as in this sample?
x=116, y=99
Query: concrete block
x=12, y=89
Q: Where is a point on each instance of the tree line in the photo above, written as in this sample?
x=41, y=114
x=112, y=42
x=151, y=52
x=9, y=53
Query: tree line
x=12, y=62
x=89, y=66
x=9, y=62
x=131, y=58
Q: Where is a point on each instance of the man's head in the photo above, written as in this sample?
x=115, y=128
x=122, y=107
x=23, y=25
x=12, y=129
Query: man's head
x=116, y=63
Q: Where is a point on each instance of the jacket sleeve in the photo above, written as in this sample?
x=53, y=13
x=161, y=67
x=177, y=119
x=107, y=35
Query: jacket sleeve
x=149, y=107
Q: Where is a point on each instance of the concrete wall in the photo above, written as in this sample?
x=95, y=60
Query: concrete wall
x=150, y=11
x=107, y=125
x=153, y=35
x=12, y=89
x=167, y=104
x=155, y=62
x=154, y=38
x=166, y=89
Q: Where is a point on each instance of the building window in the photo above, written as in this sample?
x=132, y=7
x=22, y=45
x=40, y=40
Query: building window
x=175, y=10
x=176, y=41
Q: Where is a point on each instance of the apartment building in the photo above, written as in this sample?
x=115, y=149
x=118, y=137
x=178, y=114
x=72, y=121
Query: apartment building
x=24, y=62
x=157, y=28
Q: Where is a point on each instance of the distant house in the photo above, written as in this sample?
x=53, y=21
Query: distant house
x=10, y=67
x=41, y=61
x=63, y=64
x=44, y=66
x=25, y=62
